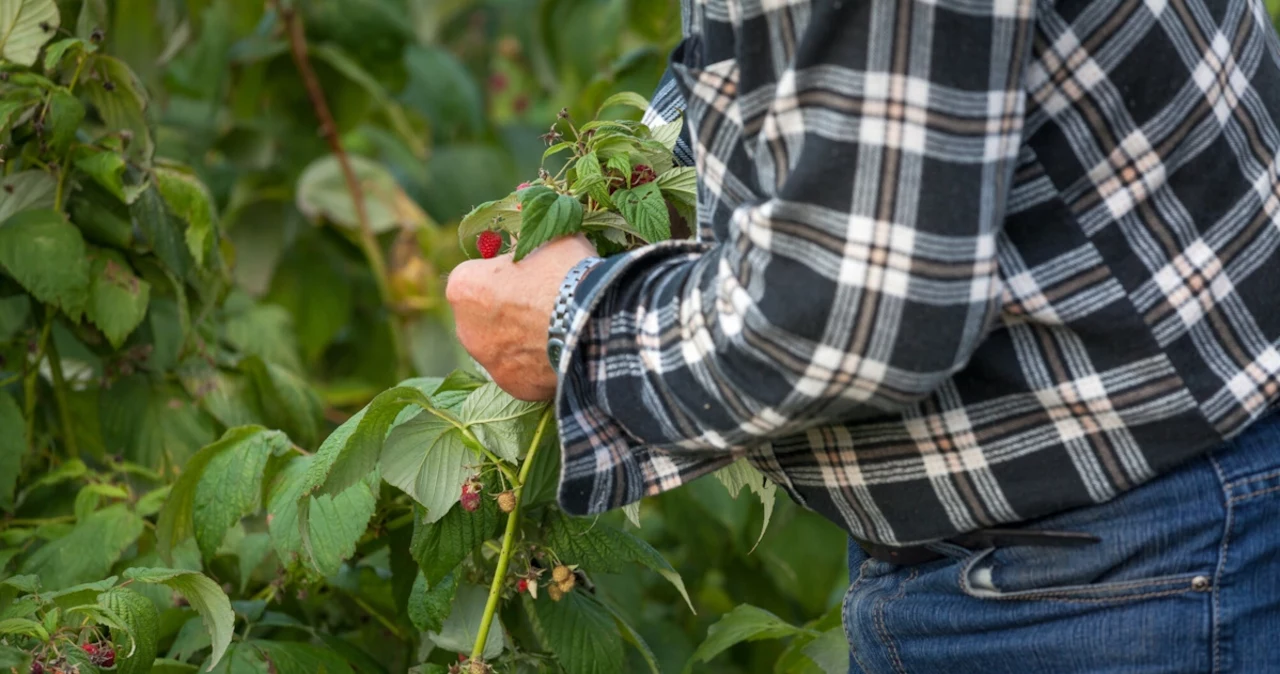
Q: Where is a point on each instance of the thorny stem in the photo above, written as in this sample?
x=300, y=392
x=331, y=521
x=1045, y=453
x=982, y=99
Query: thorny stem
x=60, y=393
x=368, y=240
x=508, y=542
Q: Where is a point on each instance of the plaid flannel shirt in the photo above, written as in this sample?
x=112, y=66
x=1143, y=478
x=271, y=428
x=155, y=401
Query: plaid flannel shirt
x=960, y=262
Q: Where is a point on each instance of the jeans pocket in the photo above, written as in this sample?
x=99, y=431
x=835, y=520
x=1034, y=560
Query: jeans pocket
x=996, y=574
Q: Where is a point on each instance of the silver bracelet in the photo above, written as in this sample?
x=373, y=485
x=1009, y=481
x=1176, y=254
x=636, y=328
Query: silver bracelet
x=559, y=328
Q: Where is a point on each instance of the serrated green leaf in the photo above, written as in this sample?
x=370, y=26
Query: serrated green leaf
x=27, y=584
x=743, y=623
x=288, y=401
x=189, y=199
x=14, y=109
x=499, y=214
x=46, y=255
x=429, y=605
x=426, y=459
x=462, y=627
x=73, y=469
x=588, y=168
x=23, y=627
x=503, y=424
x=25, y=25
x=741, y=474
x=163, y=234
x=830, y=651
x=680, y=185
x=668, y=133
x=88, y=551
x=14, y=312
x=581, y=633
x=106, y=169
x=628, y=98
x=13, y=444
x=196, y=507
x=63, y=116
x=599, y=547
x=118, y=299
x=646, y=211
x=293, y=657
x=360, y=661
x=546, y=216
x=90, y=495
x=153, y=501
x=336, y=523
x=241, y=658
x=151, y=423
x=205, y=597
x=251, y=552
x=633, y=637
x=622, y=164
x=169, y=666
x=438, y=547
x=265, y=331
x=632, y=511
x=14, y=659
x=122, y=105
x=556, y=149
x=136, y=649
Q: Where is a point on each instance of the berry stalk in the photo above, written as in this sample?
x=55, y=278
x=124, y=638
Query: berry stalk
x=508, y=542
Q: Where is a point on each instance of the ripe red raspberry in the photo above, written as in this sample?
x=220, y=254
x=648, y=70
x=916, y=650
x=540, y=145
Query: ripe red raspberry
x=100, y=655
x=522, y=586
x=462, y=657
x=470, y=501
x=489, y=243
x=642, y=174
x=497, y=82
x=91, y=649
x=37, y=667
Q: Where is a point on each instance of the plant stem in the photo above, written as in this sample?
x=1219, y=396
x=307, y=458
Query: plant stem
x=368, y=240
x=391, y=627
x=60, y=393
x=508, y=542
x=29, y=384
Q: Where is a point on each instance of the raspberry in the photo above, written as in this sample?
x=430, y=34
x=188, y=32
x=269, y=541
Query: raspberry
x=91, y=649
x=470, y=502
x=497, y=82
x=506, y=501
x=106, y=658
x=489, y=243
x=37, y=667
x=522, y=186
x=556, y=593
x=642, y=174
x=462, y=657
x=561, y=573
x=522, y=586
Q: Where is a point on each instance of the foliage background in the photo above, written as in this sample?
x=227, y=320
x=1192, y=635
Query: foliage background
x=445, y=99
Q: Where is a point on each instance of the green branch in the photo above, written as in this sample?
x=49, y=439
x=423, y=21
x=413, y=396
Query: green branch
x=508, y=542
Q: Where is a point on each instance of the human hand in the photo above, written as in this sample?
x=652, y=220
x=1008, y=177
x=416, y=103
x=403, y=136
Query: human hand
x=502, y=309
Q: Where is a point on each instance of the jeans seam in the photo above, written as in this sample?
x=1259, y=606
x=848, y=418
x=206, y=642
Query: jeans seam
x=883, y=632
x=1249, y=480
x=847, y=616
x=1244, y=497
x=1073, y=596
x=1216, y=618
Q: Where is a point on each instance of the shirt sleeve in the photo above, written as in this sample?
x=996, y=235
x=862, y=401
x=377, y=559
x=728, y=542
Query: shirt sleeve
x=855, y=159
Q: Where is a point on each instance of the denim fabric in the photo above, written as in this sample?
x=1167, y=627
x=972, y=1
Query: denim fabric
x=1186, y=579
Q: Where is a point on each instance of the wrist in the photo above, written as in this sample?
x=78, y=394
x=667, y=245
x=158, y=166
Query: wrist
x=562, y=311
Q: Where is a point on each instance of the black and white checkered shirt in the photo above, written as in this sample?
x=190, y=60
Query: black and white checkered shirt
x=960, y=262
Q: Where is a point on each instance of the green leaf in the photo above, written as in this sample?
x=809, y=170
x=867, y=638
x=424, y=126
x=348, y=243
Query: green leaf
x=136, y=650
x=122, y=105
x=168, y=666
x=162, y=232
x=265, y=331
x=197, y=507
x=500, y=214
x=668, y=133
x=312, y=281
x=14, y=312
x=63, y=116
x=46, y=255
x=462, y=627
x=26, y=191
x=322, y=194
x=14, y=659
x=589, y=172
x=633, y=637
x=830, y=651
x=439, y=547
x=67, y=471
x=107, y=170
x=251, y=552
x=205, y=597
x=88, y=551
x=118, y=299
x=622, y=164
x=352, y=451
x=741, y=474
x=360, y=661
x=241, y=658
x=13, y=445
x=556, y=149
x=602, y=548
x=743, y=623
x=27, y=584
x=632, y=511
x=426, y=459
x=646, y=211
x=680, y=185
x=547, y=215
x=293, y=657
x=56, y=52
x=628, y=98
x=503, y=424
x=25, y=25
x=288, y=401
x=335, y=525
x=189, y=199
x=581, y=633
x=153, y=424
x=430, y=605
x=153, y=501
x=13, y=110
x=23, y=627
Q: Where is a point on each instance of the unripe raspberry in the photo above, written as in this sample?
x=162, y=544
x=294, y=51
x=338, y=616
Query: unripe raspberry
x=556, y=593
x=506, y=501
x=489, y=244
x=561, y=573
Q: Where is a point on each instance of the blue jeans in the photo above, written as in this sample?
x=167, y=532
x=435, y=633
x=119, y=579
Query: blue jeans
x=1186, y=579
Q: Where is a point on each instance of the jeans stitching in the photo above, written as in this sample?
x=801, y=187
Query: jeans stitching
x=1073, y=596
x=1216, y=632
x=1256, y=478
x=848, y=615
x=1244, y=497
x=883, y=631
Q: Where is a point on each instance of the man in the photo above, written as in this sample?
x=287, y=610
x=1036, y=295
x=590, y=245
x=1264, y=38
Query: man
x=991, y=284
